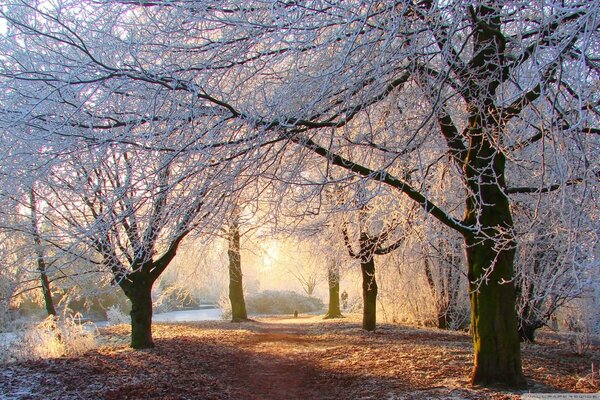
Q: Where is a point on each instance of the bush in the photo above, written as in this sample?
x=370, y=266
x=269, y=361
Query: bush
x=115, y=316
x=281, y=302
x=174, y=298
x=48, y=339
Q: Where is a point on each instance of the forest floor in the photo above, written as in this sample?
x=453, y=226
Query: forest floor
x=293, y=358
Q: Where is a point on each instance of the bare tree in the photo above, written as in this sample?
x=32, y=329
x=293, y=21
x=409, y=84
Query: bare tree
x=442, y=268
x=133, y=214
x=369, y=245
x=552, y=265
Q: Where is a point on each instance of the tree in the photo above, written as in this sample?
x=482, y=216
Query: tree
x=333, y=281
x=553, y=265
x=236, y=288
x=369, y=245
x=442, y=269
x=134, y=224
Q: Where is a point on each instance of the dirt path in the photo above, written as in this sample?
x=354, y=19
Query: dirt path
x=281, y=367
x=285, y=359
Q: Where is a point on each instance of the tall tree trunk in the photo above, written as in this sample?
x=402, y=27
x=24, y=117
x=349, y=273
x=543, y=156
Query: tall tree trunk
x=140, y=295
x=369, y=289
x=236, y=288
x=333, y=278
x=493, y=315
x=41, y=261
x=490, y=259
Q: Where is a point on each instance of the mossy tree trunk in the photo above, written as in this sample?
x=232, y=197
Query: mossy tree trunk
x=236, y=288
x=333, y=278
x=140, y=295
x=490, y=258
x=493, y=317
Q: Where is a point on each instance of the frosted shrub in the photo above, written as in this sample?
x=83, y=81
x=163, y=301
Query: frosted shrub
x=115, y=316
x=282, y=302
x=225, y=306
x=580, y=335
x=51, y=338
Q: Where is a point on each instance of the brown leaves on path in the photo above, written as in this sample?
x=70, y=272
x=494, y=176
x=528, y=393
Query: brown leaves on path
x=275, y=358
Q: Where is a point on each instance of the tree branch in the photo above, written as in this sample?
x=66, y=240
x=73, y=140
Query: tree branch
x=382, y=176
x=546, y=189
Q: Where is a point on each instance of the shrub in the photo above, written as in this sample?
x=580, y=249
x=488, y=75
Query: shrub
x=115, y=316
x=281, y=302
x=50, y=338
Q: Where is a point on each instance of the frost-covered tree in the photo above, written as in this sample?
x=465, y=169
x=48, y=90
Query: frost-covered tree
x=556, y=257
x=374, y=232
x=132, y=210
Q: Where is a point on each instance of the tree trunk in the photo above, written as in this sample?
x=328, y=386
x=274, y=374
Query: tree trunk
x=443, y=322
x=236, y=288
x=493, y=316
x=490, y=258
x=48, y=301
x=140, y=296
x=333, y=277
x=369, y=286
x=527, y=331
x=41, y=261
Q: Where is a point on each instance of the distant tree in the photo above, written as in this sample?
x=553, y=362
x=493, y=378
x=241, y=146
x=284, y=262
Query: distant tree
x=308, y=279
x=369, y=245
x=236, y=287
x=442, y=269
x=333, y=280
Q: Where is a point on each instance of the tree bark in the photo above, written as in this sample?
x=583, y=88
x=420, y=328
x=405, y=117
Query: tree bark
x=48, y=300
x=493, y=317
x=140, y=295
x=527, y=331
x=236, y=288
x=369, y=289
x=333, y=277
x=490, y=258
